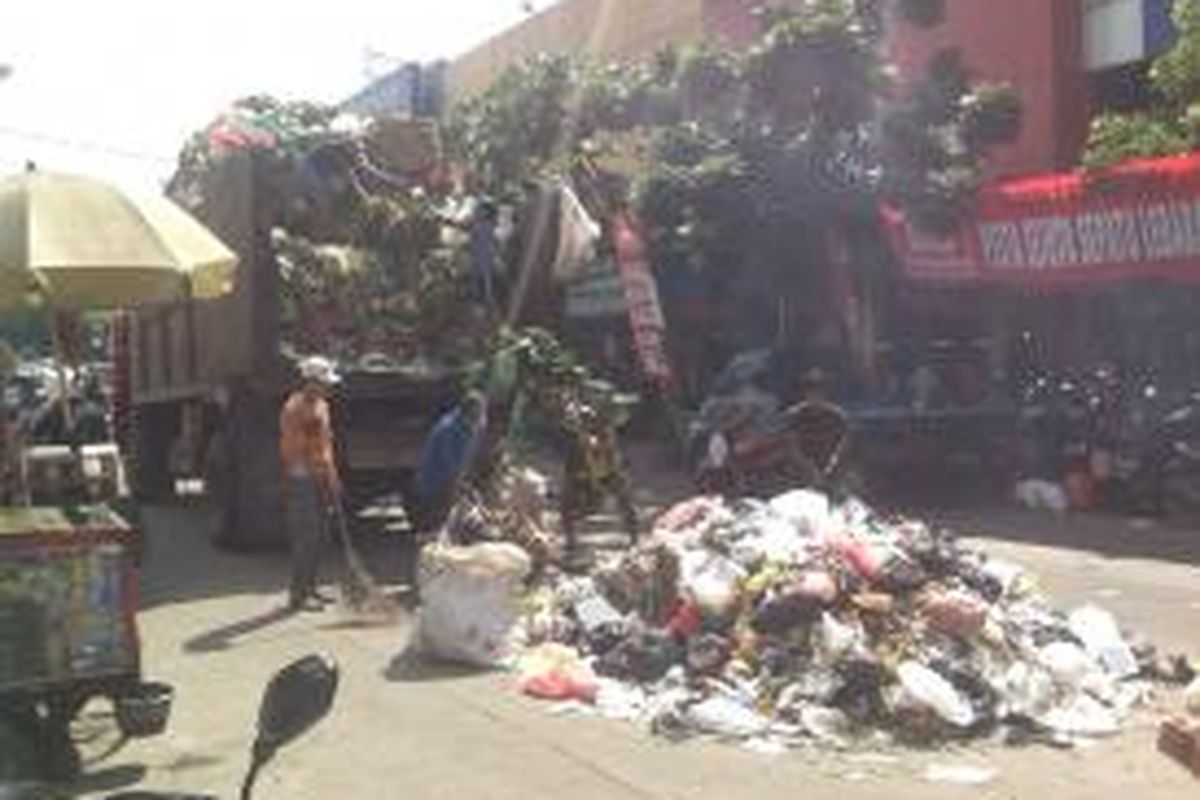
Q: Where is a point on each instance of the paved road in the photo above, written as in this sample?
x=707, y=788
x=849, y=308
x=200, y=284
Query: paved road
x=212, y=628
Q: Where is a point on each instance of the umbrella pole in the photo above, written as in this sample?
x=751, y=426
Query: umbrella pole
x=60, y=358
x=62, y=353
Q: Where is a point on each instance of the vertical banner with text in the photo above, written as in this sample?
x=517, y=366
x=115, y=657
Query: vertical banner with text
x=646, y=318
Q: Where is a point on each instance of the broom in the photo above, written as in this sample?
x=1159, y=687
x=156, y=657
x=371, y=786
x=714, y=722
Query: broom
x=361, y=593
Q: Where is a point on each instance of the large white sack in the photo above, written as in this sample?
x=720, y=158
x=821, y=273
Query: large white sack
x=470, y=601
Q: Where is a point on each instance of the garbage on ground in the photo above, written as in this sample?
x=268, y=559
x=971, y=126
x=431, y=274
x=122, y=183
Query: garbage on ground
x=1191, y=697
x=1042, y=495
x=807, y=621
x=470, y=601
x=556, y=672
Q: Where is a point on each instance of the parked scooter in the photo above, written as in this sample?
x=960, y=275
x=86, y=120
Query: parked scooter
x=1155, y=465
x=299, y=696
x=1139, y=450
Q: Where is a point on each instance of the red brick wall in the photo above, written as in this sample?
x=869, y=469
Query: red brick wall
x=1034, y=45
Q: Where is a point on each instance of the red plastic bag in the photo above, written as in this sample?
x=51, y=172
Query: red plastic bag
x=555, y=672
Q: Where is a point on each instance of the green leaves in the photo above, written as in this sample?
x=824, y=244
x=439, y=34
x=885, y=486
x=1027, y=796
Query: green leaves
x=1116, y=137
x=1170, y=125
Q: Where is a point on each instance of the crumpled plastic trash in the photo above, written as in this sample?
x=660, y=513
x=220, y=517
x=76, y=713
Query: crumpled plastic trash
x=837, y=639
x=924, y=688
x=802, y=613
x=1067, y=662
x=1029, y=690
x=809, y=511
x=725, y=717
x=766, y=536
x=1191, y=697
x=617, y=700
x=1102, y=639
x=643, y=656
x=712, y=580
x=686, y=523
x=956, y=612
x=1041, y=495
x=829, y=726
x=1082, y=716
x=556, y=672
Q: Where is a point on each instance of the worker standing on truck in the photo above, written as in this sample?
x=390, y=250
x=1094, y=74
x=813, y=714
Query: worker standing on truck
x=311, y=482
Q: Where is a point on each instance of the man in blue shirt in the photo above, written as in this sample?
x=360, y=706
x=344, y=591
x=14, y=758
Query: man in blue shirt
x=447, y=457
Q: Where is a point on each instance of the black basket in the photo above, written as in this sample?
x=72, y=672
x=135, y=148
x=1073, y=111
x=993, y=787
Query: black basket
x=144, y=711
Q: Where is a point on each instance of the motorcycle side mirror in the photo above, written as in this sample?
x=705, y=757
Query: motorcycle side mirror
x=298, y=697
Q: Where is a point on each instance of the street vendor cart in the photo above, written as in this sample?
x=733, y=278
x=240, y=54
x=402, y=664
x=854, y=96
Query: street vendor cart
x=68, y=634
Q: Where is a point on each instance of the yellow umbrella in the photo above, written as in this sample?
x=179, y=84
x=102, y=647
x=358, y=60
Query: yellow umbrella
x=82, y=243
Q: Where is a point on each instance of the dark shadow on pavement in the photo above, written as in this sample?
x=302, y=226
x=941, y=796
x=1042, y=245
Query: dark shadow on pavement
x=108, y=780
x=181, y=564
x=411, y=666
x=190, y=761
x=1110, y=536
x=223, y=637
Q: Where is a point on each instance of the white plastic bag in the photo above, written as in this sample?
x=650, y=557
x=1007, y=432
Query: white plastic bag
x=768, y=537
x=1068, y=663
x=1191, y=697
x=725, y=717
x=470, y=601
x=1102, y=640
x=809, y=511
x=926, y=689
x=713, y=580
x=1039, y=494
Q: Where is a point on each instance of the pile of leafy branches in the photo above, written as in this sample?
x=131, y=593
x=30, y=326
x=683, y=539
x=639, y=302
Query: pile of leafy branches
x=364, y=266
x=1172, y=125
x=526, y=366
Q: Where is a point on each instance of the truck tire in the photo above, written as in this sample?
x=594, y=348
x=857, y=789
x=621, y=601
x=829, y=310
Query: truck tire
x=220, y=483
x=19, y=737
x=254, y=474
x=152, y=434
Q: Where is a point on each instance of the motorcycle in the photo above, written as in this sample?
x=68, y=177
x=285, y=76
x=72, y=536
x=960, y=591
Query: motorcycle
x=298, y=697
x=1140, y=452
x=1155, y=466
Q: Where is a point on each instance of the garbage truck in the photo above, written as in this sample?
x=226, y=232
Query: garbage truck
x=200, y=383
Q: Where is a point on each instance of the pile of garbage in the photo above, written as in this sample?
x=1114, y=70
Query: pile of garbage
x=802, y=620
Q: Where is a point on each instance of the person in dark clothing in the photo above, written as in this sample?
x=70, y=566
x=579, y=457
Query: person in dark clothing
x=447, y=457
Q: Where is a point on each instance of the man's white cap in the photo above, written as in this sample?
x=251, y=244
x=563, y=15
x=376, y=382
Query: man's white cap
x=319, y=370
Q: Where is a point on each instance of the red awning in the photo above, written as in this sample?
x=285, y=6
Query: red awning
x=1134, y=221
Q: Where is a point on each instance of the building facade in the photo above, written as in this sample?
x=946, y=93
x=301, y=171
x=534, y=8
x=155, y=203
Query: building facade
x=1067, y=58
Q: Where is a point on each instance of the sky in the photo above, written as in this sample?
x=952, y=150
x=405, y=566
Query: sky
x=112, y=88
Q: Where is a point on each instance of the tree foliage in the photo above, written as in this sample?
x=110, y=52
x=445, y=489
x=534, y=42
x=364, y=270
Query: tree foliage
x=739, y=163
x=784, y=129
x=1172, y=124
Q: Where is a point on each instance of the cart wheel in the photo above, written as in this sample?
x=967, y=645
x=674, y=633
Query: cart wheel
x=19, y=734
x=62, y=761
